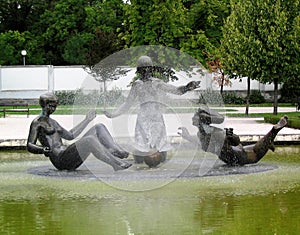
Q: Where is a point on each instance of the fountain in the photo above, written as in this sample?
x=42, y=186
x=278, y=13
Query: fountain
x=191, y=192
x=138, y=127
x=235, y=203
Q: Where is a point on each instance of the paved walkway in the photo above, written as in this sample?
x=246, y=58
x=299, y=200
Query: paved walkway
x=14, y=129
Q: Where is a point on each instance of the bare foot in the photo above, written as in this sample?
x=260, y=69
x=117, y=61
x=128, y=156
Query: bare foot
x=282, y=123
x=123, y=166
x=119, y=153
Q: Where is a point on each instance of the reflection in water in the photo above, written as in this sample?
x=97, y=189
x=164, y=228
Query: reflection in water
x=262, y=203
x=275, y=213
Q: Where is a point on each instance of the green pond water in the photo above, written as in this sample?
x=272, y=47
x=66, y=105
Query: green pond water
x=261, y=203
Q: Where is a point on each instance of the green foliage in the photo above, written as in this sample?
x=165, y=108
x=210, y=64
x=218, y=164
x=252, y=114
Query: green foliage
x=68, y=31
x=214, y=97
x=76, y=48
x=290, y=91
x=61, y=32
x=111, y=98
x=61, y=23
x=102, y=21
x=79, y=97
x=104, y=15
x=210, y=97
x=205, y=20
x=294, y=120
x=65, y=97
x=256, y=97
x=20, y=15
x=232, y=98
x=208, y=17
x=101, y=45
x=198, y=46
x=260, y=41
x=154, y=22
x=13, y=42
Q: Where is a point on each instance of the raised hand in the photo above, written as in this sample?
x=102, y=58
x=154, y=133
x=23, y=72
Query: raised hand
x=91, y=115
x=192, y=85
x=107, y=114
x=47, y=150
x=183, y=132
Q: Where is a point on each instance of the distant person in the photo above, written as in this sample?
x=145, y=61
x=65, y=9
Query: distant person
x=298, y=105
x=49, y=133
x=226, y=144
x=150, y=92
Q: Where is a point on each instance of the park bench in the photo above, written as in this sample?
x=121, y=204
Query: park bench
x=13, y=106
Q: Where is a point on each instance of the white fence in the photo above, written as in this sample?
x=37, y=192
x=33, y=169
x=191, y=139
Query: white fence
x=29, y=82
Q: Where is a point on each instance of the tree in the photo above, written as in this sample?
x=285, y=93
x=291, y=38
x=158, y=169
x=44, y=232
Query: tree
x=72, y=26
x=65, y=30
x=20, y=15
x=12, y=42
x=154, y=22
x=261, y=41
x=18, y=20
x=102, y=21
x=290, y=91
x=208, y=16
x=58, y=25
x=216, y=68
x=205, y=20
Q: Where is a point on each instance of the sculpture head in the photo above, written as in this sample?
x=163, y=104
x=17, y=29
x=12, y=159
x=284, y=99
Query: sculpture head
x=48, y=102
x=207, y=116
x=144, y=67
x=144, y=61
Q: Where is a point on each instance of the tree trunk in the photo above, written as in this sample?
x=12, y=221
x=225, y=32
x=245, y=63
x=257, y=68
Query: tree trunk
x=222, y=83
x=248, y=97
x=105, y=94
x=275, y=105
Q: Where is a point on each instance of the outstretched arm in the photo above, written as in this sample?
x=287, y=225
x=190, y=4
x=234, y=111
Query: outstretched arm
x=179, y=90
x=184, y=133
x=76, y=131
x=126, y=105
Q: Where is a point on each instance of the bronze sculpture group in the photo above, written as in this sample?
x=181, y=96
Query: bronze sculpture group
x=150, y=131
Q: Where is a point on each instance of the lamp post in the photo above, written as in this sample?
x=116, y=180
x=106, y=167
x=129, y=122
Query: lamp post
x=24, y=53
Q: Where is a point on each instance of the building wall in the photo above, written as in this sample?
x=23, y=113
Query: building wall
x=29, y=82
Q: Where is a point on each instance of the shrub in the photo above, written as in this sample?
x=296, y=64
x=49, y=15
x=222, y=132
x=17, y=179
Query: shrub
x=231, y=98
x=65, y=97
x=110, y=97
x=210, y=97
x=294, y=122
x=214, y=97
x=256, y=97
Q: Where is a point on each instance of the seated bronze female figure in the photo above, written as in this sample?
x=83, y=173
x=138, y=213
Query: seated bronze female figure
x=49, y=133
x=225, y=143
